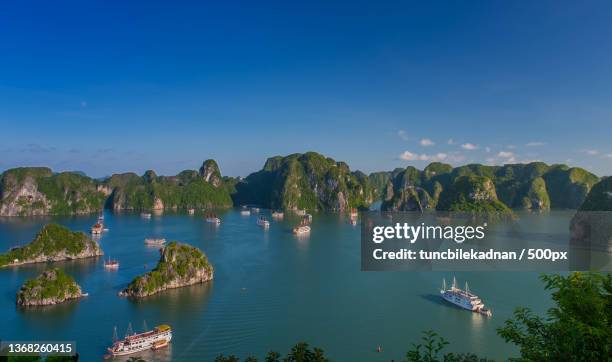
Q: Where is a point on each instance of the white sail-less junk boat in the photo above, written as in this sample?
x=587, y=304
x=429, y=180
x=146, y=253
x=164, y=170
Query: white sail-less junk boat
x=154, y=339
x=463, y=298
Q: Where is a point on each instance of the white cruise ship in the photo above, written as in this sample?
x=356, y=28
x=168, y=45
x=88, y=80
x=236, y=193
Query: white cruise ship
x=463, y=298
x=139, y=342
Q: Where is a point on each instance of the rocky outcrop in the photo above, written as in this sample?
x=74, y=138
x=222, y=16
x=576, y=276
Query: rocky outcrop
x=211, y=173
x=51, y=287
x=38, y=191
x=52, y=243
x=305, y=181
x=534, y=186
x=189, y=189
x=179, y=265
x=471, y=194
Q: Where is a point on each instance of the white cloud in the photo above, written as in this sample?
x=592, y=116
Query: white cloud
x=451, y=141
x=591, y=152
x=438, y=157
x=427, y=142
x=487, y=149
x=402, y=134
x=505, y=154
x=535, y=144
x=469, y=146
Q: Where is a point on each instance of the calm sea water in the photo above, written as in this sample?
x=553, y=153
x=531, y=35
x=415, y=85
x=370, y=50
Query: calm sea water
x=271, y=290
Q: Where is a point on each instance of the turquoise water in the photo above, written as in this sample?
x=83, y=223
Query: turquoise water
x=270, y=291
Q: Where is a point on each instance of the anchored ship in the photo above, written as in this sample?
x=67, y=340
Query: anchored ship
x=97, y=228
x=464, y=298
x=111, y=263
x=212, y=218
x=154, y=339
x=154, y=242
x=263, y=222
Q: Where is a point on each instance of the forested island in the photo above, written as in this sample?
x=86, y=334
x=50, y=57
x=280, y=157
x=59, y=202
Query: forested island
x=52, y=243
x=53, y=286
x=179, y=265
x=308, y=181
x=475, y=187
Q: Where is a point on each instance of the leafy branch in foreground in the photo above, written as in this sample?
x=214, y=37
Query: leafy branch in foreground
x=578, y=327
x=301, y=352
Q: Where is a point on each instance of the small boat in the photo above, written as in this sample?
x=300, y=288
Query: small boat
x=154, y=242
x=191, y=211
x=353, y=222
x=354, y=213
x=245, y=212
x=278, y=215
x=101, y=218
x=137, y=342
x=145, y=215
x=254, y=210
x=301, y=229
x=308, y=217
x=111, y=263
x=464, y=298
x=263, y=222
x=159, y=344
x=97, y=229
x=300, y=212
x=212, y=218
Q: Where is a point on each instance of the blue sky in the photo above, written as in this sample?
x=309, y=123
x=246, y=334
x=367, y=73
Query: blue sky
x=107, y=87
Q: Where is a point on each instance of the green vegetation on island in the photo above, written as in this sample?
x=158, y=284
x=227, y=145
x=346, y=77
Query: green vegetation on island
x=52, y=243
x=179, y=265
x=38, y=191
x=600, y=197
x=188, y=189
x=535, y=186
x=308, y=181
x=53, y=286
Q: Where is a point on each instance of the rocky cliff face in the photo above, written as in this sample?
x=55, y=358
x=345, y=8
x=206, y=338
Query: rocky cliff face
x=471, y=194
x=188, y=189
x=534, y=186
x=305, y=181
x=210, y=173
x=591, y=229
x=52, y=243
x=179, y=265
x=51, y=287
x=38, y=191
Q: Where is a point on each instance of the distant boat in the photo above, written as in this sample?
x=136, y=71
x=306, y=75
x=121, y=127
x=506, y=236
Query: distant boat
x=97, y=228
x=263, y=222
x=278, y=215
x=301, y=229
x=145, y=215
x=300, y=212
x=245, y=212
x=254, y=210
x=308, y=217
x=154, y=339
x=111, y=264
x=212, y=218
x=190, y=211
x=353, y=222
x=354, y=213
x=154, y=242
x=463, y=298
